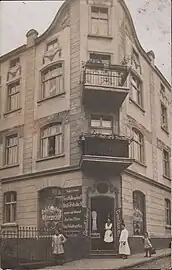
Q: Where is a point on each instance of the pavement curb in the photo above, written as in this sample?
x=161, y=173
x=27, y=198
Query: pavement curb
x=131, y=265
x=142, y=262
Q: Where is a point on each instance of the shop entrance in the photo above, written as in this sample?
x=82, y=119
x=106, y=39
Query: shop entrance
x=102, y=208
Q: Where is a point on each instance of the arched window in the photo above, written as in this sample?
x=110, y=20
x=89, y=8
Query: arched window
x=10, y=201
x=137, y=146
x=139, y=217
x=168, y=212
x=51, y=140
x=52, y=81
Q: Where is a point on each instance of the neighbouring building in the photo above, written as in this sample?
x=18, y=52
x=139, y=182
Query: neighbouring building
x=85, y=131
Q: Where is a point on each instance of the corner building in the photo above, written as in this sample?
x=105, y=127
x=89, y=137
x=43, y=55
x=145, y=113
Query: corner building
x=84, y=131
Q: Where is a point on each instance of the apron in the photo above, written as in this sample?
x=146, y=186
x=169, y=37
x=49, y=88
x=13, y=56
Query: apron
x=108, y=237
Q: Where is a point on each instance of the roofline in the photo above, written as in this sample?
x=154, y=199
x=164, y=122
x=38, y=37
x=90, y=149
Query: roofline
x=12, y=53
x=140, y=48
x=53, y=23
x=63, y=6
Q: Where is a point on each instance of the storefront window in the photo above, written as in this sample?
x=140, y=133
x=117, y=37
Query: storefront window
x=51, y=208
x=138, y=213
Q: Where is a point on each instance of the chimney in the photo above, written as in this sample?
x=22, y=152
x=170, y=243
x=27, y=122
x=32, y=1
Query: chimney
x=31, y=36
x=151, y=56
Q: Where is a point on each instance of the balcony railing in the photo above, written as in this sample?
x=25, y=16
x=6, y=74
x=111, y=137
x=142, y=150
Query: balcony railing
x=105, y=85
x=99, y=75
x=107, y=146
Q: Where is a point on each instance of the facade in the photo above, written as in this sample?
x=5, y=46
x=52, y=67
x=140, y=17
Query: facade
x=84, y=130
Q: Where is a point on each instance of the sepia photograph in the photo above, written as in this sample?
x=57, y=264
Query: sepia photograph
x=85, y=135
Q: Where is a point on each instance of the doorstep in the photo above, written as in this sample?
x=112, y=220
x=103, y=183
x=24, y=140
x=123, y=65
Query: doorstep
x=111, y=263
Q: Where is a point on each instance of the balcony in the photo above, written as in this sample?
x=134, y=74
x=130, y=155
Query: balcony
x=105, y=87
x=100, y=151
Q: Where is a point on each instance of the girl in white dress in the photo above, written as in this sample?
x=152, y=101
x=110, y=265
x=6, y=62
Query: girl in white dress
x=108, y=236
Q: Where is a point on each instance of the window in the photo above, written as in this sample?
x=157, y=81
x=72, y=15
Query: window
x=164, y=118
x=52, y=45
x=168, y=212
x=139, y=217
x=11, y=150
x=99, y=21
x=14, y=62
x=162, y=88
x=166, y=163
x=100, y=58
x=138, y=146
x=102, y=125
x=10, y=199
x=51, y=141
x=136, y=61
x=52, y=81
x=50, y=205
x=136, y=90
x=13, y=99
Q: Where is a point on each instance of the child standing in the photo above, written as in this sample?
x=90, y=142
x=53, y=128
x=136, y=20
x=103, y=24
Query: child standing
x=58, y=241
x=147, y=245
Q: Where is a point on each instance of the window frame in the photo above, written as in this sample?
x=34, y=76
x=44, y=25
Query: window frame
x=14, y=62
x=100, y=55
x=142, y=197
x=43, y=80
x=99, y=7
x=11, y=203
x=167, y=212
x=164, y=117
x=101, y=128
x=49, y=43
x=141, y=144
x=7, y=147
x=9, y=95
x=58, y=134
x=135, y=61
x=139, y=91
x=166, y=161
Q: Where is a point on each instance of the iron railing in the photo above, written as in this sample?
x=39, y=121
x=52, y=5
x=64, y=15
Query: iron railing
x=105, y=77
x=25, y=245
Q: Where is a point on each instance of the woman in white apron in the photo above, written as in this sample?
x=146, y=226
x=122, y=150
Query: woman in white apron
x=108, y=236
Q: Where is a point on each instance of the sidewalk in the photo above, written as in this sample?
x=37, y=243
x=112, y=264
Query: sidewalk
x=111, y=263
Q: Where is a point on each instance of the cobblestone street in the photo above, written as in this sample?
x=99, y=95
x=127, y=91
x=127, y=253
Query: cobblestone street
x=163, y=264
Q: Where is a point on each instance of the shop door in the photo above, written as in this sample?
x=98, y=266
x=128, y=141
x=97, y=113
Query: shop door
x=102, y=208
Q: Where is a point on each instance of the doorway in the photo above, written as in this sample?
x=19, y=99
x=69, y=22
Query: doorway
x=102, y=208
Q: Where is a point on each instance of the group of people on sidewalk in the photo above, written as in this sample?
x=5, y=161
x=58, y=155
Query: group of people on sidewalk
x=59, y=239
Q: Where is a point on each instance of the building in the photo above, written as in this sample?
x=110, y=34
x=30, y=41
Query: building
x=84, y=130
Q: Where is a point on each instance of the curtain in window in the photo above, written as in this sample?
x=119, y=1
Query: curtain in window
x=44, y=147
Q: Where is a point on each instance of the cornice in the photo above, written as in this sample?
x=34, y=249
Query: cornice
x=12, y=53
x=147, y=180
x=54, y=22
x=32, y=175
x=68, y=169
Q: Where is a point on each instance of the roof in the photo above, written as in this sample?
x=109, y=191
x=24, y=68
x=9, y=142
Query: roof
x=54, y=22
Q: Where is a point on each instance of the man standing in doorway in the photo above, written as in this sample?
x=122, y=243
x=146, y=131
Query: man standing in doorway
x=124, y=249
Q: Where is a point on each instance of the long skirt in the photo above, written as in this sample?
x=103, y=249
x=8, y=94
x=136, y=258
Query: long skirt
x=124, y=248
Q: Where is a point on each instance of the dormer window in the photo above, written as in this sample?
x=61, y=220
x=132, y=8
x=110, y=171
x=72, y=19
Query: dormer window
x=14, y=62
x=52, y=45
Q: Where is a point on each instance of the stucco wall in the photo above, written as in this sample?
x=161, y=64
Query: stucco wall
x=155, y=205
